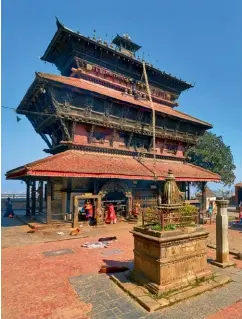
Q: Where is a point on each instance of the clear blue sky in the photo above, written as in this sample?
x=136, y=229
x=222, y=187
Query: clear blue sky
x=198, y=41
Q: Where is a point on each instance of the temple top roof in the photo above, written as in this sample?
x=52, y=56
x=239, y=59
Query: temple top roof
x=121, y=41
x=124, y=43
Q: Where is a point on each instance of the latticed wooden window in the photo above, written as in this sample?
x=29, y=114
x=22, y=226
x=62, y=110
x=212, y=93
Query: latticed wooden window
x=171, y=148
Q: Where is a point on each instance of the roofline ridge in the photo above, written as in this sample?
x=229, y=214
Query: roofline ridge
x=204, y=169
x=196, y=118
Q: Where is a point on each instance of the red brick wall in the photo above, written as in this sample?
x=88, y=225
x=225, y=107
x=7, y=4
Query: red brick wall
x=81, y=137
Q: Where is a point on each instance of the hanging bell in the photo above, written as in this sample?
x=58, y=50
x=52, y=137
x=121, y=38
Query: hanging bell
x=18, y=119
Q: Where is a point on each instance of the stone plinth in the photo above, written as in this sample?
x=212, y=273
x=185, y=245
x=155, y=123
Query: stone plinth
x=164, y=261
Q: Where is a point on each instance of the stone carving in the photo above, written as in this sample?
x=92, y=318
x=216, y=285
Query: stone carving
x=115, y=186
x=90, y=137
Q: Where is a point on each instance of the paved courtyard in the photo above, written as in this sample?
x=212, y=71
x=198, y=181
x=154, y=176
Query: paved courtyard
x=59, y=279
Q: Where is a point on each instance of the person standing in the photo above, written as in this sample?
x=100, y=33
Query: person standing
x=111, y=217
x=240, y=213
x=9, y=208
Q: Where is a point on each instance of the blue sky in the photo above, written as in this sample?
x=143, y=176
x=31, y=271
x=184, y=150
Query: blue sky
x=198, y=41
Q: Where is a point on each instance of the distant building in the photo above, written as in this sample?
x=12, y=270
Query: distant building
x=210, y=197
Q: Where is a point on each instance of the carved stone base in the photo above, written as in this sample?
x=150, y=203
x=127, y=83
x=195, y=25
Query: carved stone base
x=170, y=260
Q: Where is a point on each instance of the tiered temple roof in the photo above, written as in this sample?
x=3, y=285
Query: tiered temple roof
x=49, y=98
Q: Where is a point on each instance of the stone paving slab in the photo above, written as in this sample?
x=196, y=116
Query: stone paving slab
x=60, y=252
x=111, y=252
x=109, y=301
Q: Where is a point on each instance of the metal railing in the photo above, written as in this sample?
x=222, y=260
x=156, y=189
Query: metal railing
x=13, y=195
x=160, y=220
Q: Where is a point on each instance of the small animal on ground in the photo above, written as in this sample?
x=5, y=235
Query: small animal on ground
x=75, y=232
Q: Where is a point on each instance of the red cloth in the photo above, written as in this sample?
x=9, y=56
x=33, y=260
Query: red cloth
x=111, y=215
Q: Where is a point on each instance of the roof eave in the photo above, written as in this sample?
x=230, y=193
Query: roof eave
x=60, y=28
x=196, y=121
x=33, y=86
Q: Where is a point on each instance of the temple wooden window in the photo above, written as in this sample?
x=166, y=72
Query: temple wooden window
x=98, y=136
x=146, y=118
x=171, y=148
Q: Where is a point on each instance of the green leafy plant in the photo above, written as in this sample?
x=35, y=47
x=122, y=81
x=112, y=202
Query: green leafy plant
x=188, y=209
x=211, y=153
x=156, y=227
x=170, y=227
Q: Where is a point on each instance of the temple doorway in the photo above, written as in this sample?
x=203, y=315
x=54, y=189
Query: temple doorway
x=119, y=201
x=118, y=193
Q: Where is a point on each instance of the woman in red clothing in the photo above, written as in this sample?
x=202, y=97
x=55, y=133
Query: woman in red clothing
x=111, y=217
x=88, y=209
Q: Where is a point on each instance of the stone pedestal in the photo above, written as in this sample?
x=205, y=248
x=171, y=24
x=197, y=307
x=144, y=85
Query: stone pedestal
x=164, y=261
x=222, y=243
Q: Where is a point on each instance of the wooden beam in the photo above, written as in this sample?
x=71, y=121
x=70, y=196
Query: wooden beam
x=45, y=122
x=46, y=140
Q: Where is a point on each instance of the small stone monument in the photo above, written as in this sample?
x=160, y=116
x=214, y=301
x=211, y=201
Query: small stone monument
x=166, y=260
x=170, y=255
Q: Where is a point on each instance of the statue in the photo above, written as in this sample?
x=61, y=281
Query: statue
x=171, y=195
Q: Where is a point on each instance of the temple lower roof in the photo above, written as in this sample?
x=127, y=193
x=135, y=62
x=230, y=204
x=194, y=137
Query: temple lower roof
x=76, y=163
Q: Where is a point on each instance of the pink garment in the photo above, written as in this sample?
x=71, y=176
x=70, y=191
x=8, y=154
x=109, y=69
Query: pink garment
x=111, y=215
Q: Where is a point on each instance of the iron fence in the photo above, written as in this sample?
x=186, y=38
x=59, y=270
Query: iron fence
x=159, y=219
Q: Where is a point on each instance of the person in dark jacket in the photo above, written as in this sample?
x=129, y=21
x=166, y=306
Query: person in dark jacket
x=9, y=208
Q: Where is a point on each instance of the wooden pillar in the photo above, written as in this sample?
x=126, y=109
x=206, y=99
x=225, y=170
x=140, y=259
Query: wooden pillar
x=68, y=196
x=203, y=206
x=40, y=199
x=129, y=205
x=27, y=198
x=48, y=202
x=75, y=212
x=33, y=198
x=188, y=191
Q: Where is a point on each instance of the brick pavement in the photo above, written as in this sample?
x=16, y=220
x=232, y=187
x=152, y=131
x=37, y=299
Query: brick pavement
x=109, y=301
x=35, y=286
x=231, y=312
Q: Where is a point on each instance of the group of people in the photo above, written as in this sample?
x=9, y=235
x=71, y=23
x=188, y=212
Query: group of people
x=110, y=214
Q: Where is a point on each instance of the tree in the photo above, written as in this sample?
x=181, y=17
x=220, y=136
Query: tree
x=211, y=153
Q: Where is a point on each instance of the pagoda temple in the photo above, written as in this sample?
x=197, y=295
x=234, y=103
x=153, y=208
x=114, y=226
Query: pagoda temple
x=96, y=120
